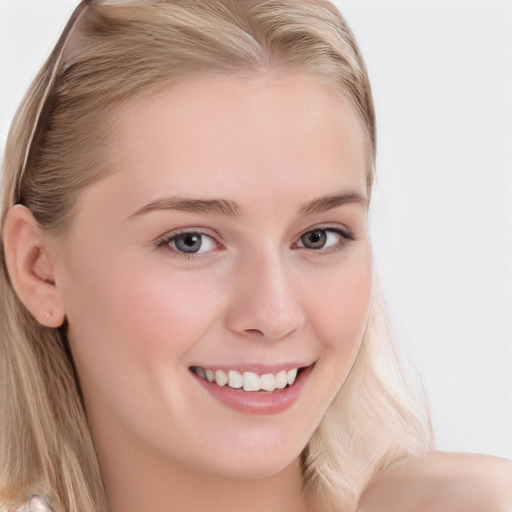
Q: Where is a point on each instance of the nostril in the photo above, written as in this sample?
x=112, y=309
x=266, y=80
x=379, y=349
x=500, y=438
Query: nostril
x=257, y=332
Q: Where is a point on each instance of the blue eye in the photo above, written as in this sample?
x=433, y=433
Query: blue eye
x=323, y=238
x=189, y=243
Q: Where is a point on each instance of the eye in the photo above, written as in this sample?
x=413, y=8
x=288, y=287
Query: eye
x=188, y=242
x=323, y=238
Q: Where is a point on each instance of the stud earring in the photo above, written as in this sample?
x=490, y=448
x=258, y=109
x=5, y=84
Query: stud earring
x=48, y=315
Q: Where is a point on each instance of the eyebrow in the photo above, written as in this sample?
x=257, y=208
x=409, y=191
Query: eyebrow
x=231, y=209
x=326, y=203
x=184, y=204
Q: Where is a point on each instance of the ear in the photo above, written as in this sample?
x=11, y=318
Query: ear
x=30, y=258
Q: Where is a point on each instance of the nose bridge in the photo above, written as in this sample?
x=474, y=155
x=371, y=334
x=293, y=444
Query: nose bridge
x=266, y=302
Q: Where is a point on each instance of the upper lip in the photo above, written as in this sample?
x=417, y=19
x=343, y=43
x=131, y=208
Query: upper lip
x=253, y=367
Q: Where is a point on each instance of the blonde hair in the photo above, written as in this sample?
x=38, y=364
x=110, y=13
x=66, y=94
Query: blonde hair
x=58, y=144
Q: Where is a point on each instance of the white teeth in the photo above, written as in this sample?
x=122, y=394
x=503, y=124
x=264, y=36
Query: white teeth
x=201, y=373
x=280, y=379
x=251, y=382
x=267, y=382
x=221, y=377
x=291, y=375
x=248, y=381
x=235, y=379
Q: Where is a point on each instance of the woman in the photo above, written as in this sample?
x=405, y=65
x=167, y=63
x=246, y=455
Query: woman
x=190, y=317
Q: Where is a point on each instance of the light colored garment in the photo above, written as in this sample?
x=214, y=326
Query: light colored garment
x=34, y=503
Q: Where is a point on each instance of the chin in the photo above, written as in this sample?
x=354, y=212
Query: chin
x=254, y=470
x=254, y=462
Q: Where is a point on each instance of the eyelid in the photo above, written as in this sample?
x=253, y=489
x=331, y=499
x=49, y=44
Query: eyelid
x=165, y=241
x=344, y=233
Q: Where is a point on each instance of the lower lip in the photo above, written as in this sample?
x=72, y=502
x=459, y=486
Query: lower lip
x=257, y=402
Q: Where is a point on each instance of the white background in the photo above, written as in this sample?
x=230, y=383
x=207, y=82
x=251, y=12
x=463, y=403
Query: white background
x=441, y=72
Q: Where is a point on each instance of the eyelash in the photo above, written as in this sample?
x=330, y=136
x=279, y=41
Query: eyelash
x=167, y=240
x=345, y=237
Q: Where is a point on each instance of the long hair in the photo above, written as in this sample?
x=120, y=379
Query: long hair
x=111, y=53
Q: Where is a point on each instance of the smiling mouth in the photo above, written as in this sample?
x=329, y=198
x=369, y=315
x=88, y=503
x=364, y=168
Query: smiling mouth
x=249, y=381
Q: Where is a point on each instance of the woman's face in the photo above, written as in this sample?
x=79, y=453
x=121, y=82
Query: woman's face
x=229, y=242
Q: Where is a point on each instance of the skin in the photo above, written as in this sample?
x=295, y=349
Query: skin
x=441, y=482
x=140, y=315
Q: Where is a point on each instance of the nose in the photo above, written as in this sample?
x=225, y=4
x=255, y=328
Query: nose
x=266, y=302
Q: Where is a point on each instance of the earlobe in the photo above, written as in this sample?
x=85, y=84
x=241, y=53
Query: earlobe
x=30, y=262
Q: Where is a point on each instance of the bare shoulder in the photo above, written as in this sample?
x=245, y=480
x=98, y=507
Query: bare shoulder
x=441, y=482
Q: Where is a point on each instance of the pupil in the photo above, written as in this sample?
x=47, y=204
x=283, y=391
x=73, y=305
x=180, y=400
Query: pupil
x=314, y=239
x=189, y=243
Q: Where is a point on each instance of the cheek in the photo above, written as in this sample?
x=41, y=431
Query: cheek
x=164, y=313
x=130, y=337
x=143, y=312
x=132, y=318
x=342, y=306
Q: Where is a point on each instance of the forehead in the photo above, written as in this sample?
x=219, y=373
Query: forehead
x=240, y=135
